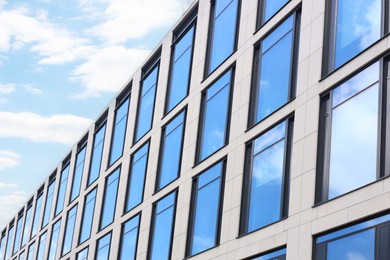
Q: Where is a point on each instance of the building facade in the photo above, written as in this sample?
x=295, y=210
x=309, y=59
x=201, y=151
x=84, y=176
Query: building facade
x=257, y=129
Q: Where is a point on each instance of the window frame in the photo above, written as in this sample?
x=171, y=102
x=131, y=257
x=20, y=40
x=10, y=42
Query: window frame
x=260, y=22
x=139, y=215
x=51, y=238
x=62, y=254
x=17, y=241
x=83, y=215
x=82, y=145
x=269, y=252
x=66, y=164
x=26, y=234
x=52, y=181
x=97, y=243
x=40, y=194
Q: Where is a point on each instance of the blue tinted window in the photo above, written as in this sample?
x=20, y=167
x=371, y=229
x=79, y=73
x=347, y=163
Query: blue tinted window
x=69, y=230
x=181, y=69
x=62, y=189
x=18, y=232
x=2, y=245
x=223, y=35
x=78, y=173
x=82, y=255
x=27, y=225
x=41, y=246
x=162, y=233
x=49, y=202
x=88, y=216
x=55, y=233
x=129, y=239
x=118, y=136
x=109, y=200
x=206, y=205
x=271, y=7
x=22, y=256
x=97, y=153
x=146, y=103
x=31, y=250
x=215, y=116
x=103, y=248
x=37, y=215
x=170, y=156
x=10, y=240
x=276, y=255
x=137, y=177
x=275, y=79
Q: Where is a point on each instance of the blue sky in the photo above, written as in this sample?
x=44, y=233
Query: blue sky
x=61, y=62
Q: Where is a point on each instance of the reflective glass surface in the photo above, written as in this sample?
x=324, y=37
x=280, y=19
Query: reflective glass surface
x=18, y=232
x=62, y=189
x=27, y=225
x=31, y=250
x=97, y=152
x=10, y=240
x=109, y=201
x=171, y=151
x=276, y=255
x=82, y=255
x=55, y=233
x=41, y=246
x=49, y=203
x=129, y=239
x=271, y=7
x=69, y=230
x=22, y=256
x=2, y=245
x=103, y=248
x=78, y=173
x=88, y=216
x=37, y=215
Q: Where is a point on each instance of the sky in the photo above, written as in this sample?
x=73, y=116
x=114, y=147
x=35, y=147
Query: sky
x=61, y=62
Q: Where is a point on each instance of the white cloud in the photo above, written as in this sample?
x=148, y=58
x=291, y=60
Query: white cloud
x=9, y=205
x=8, y=159
x=7, y=88
x=108, y=70
x=8, y=185
x=29, y=88
x=56, y=129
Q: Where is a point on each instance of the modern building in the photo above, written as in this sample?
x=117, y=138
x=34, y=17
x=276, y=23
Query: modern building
x=257, y=129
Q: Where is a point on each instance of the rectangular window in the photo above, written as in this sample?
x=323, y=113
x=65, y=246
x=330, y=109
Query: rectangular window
x=10, y=240
x=146, y=101
x=37, y=214
x=69, y=230
x=41, y=246
x=103, y=248
x=349, y=135
x=88, y=216
x=268, y=8
x=137, y=175
x=351, y=27
x=171, y=150
x=83, y=254
x=109, y=200
x=27, y=224
x=129, y=239
x=18, y=232
x=206, y=210
x=119, y=130
x=274, y=255
x=97, y=153
x=55, y=233
x=22, y=256
x=266, y=182
x=78, y=173
x=181, y=60
x=62, y=189
x=2, y=245
x=161, y=235
x=49, y=202
x=365, y=240
x=31, y=250
x=273, y=83
x=223, y=32
x=215, y=116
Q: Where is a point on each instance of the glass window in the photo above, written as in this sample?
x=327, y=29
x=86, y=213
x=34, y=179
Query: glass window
x=10, y=240
x=119, y=131
x=18, y=232
x=267, y=178
x=27, y=225
x=41, y=246
x=22, y=256
x=274, y=82
x=69, y=230
x=215, y=116
x=171, y=151
x=223, y=31
x=62, y=189
x=365, y=240
x=49, y=202
x=269, y=8
x=97, y=153
x=55, y=233
x=348, y=136
x=109, y=200
x=180, y=73
x=88, y=216
x=353, y=26
x=129, y=238
x=103, y=248
x=162, y=228
x=136, y=182
x=206, y=210
x=2, y=245
x=37, y=214
x=275, y=255
x=78, y=173
x=31, y=250
x=146, y=103
x=83, y=254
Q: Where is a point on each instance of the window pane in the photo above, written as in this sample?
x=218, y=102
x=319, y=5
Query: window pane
x=109, y=201
x=271, y=7
x=17, y=234
x=41, y=246
x=69, y=230
x=31, y=250
x=163, y=216
x=130, y=238
x=55, y=233
x=146, y=104
x=62, y=189
x=103, y=248
x=10, y=240
x=171, y=150
x=83, y=255
x=118, y=136
x=277, y=255
x=180, y=71
x=88, y=216
x=22, y=256
x=94, y=171
x=78, y=173
x=206, y=207
x=49, y=202
x=137, y=177
x=215, y=116
x=37, y=215
x=223, y=36
x=2, y=246
x=27, y=225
